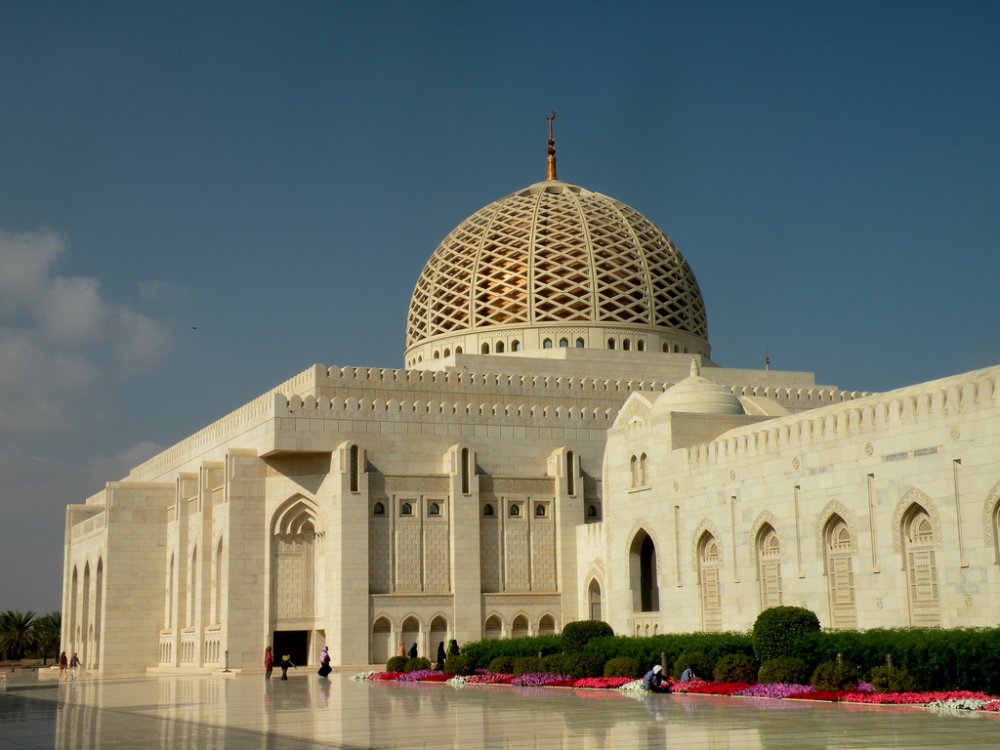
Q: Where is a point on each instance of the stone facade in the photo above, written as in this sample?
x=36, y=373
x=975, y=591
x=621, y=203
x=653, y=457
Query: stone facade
x=510, y=489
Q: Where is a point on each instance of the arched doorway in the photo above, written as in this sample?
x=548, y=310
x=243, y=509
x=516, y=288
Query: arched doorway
x=642, y=574
x=493, y=628
x=382, y=647
x=410, y=634
x=296, y=555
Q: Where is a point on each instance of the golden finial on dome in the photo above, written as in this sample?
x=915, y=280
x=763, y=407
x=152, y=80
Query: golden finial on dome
x=552, y=149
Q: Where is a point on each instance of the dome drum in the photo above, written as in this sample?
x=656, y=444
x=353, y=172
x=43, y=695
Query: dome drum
x=546, y=341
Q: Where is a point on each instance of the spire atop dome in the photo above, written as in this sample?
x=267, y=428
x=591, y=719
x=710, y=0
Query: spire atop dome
x=552, y=149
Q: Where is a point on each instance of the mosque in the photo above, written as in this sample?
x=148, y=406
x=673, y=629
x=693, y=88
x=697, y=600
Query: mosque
x=559, y=446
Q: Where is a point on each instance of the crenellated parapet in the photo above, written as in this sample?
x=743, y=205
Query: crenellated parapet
x=948, y=397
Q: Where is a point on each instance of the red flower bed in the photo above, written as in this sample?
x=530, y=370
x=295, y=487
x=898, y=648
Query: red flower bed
x=914, y=698
x=386, y=676
x=703, y=687
x=819, y=695
x=439, y=677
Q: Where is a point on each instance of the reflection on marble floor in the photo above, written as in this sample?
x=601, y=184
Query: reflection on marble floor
x=247, y=712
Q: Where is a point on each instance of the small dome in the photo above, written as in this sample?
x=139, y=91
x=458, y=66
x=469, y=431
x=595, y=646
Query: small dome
x=698, y=395
x=546, y=260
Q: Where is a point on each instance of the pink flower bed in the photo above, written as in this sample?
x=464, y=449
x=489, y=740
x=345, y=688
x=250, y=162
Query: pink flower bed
x=489, y=679
x=541, y=679
x=914, y=698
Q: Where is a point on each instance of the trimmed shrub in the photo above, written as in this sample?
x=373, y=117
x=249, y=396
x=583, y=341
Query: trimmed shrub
x=526, y=665
x=892, y=680
x=395, y=664
x=622, y=666
x=833, y=675
x=696, y=661
x=416, y=663
x=583, y=665
x=735, y=668
x=458, y=664
x=777, y=629
x=502, y=665
x=786, y=669
x=576, y=635
x=481, y=653
x=552, y=664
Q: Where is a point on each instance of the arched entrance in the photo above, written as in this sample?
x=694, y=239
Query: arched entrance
x=642, y=574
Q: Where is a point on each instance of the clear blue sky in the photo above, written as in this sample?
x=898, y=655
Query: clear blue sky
x=275, y=175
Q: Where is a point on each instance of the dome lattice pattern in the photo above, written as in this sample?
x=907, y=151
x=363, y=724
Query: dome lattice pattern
x=555, y=253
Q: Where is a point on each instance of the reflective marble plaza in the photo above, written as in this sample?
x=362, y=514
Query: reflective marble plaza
x=247, y=712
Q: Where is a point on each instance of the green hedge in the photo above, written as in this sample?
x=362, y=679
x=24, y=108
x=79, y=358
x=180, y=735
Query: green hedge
x=647, y=651
x=954, y=659
x=481, y=653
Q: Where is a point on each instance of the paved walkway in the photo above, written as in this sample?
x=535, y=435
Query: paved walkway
x=305, y=712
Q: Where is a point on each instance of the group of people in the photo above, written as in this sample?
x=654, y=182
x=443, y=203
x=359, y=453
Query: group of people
x=286, y=663
x=73, y=664
x=442, y=652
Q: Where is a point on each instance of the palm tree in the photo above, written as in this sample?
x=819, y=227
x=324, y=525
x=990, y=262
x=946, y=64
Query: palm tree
x=47, y=630
x=16, y=635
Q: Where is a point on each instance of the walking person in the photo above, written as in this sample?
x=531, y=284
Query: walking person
x=268, y=663
x=324, y=663
x=74, y=665
x=63, y=663
x=286, y=662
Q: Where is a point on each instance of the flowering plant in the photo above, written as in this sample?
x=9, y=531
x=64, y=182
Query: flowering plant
x=385, y=676
x=702, y=687
x=539, y=679
x=818, y=695
x=489, y=679
x=601, y=683
x=633, y=686
x=773, y=690
x=364, y=675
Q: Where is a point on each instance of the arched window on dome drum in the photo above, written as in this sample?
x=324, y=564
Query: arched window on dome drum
x=564, y=343
x=611, y=343
x=447, y=352
x=488, y=510
x=434, y=509
x=579, y=343
x=641, y=345
x=626, y=345
x=547, y=344
x=515, y=345
x=515, y=510
x=665, y=348
x=458, y=350
x=378, y=509
x=540, y=511
x=499, y=348
x=406, y=509
x=485, y=349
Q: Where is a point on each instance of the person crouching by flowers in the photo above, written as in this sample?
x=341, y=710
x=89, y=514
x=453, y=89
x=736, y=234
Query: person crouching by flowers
x=654, y=682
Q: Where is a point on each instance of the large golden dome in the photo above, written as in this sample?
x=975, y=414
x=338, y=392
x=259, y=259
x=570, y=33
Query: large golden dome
x=555, y=265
